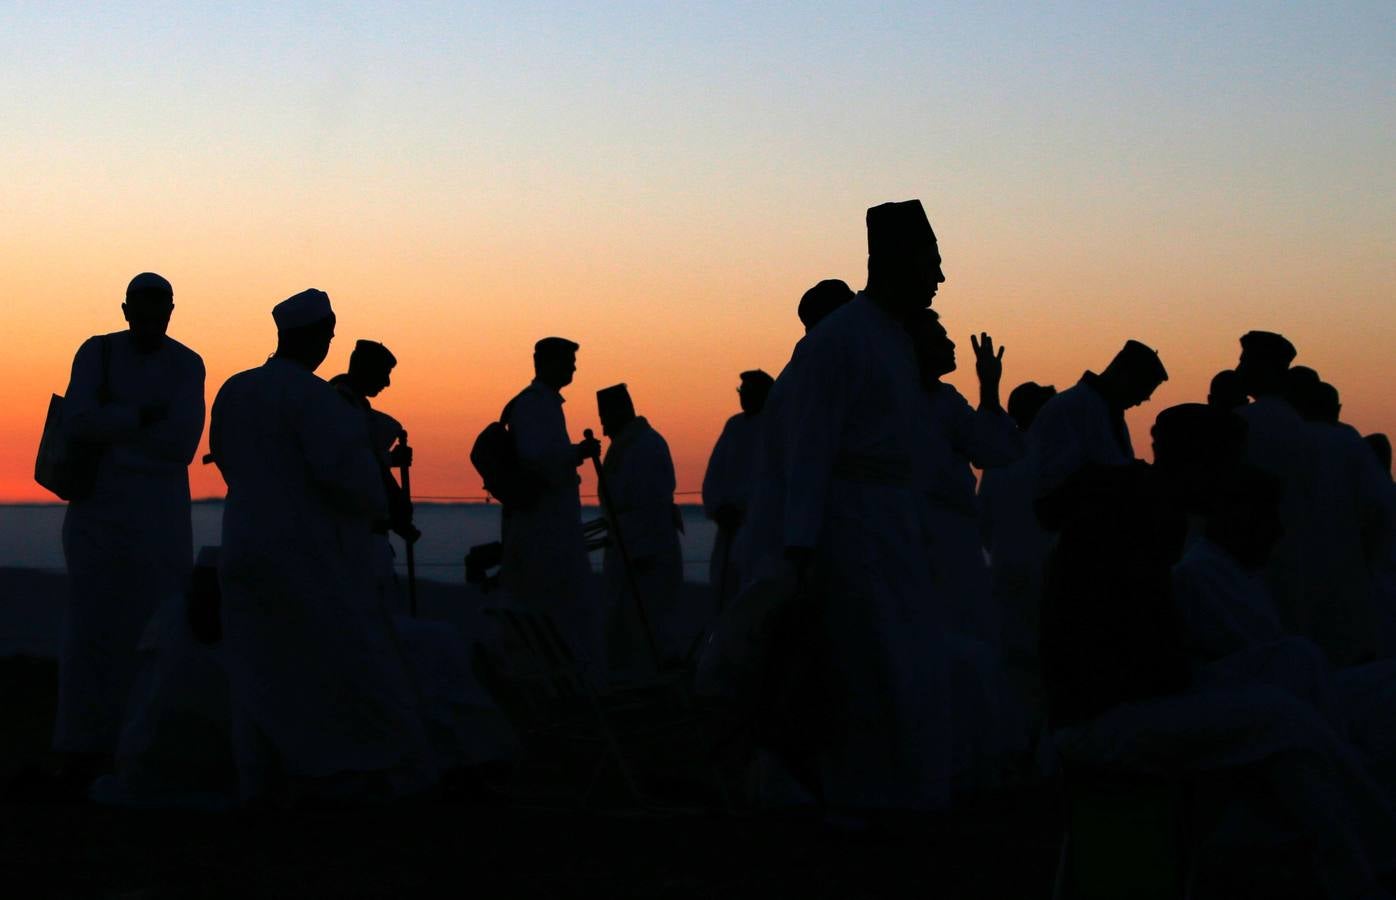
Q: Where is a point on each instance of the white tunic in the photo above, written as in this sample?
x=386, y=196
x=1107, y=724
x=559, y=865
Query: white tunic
x=545, y=564
x=1343, y=527
x=839, y=450
x=130, y=543
x=956, y=436
x=319, y=686
x=1018, y=547
x=640, y=487
x=728, y=481
x=1074, y=429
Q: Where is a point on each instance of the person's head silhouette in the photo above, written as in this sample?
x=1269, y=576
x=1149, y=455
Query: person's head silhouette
x=904, y=265
x=755, y=388
x=1132, y=376
x=1026, y=399
x=822, y=299
x=370, y=367
x=1226, y=390
x=615, y=409
x=1265, y=356
x=935, y=351
x=304, y=328
x=149, y=304
x=555, y=361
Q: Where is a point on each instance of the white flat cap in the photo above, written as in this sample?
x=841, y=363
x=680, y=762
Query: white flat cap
x=305, y=308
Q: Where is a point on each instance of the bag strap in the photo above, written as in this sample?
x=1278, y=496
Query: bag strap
x=104, y=389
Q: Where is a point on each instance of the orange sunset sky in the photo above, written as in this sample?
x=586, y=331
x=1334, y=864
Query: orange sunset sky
x=661, y=185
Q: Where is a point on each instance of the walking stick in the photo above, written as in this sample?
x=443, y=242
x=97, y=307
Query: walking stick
x=624, y=554
x=406, y=468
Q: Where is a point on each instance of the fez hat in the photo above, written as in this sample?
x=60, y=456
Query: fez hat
x=895, y=228
x=614, y=400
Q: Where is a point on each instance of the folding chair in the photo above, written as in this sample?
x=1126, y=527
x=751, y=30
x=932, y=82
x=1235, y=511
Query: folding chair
x=565, y=720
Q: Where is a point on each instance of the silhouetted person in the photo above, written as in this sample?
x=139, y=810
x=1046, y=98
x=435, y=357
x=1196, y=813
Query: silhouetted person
x=545, y=564
x=323, y=703
x=1384, y=561
x=139, y=395
x=1122, y=695
x=1347, y=522
x=370, y=372
x=727, y=483
x=839, y=502
x=1193, y=443
x=1025, y=400
x=1085, y=424
x=956, y=437
x=822, y=299
x=987, y=722
x=1380, y=445
x=640, y=486
x=1234, y=633
x=1015, y=540
x=1226, y=390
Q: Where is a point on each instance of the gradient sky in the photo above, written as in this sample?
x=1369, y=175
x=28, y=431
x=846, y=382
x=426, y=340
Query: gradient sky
x=661, y=183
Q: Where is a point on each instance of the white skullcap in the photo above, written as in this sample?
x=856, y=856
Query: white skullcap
x=305, y=308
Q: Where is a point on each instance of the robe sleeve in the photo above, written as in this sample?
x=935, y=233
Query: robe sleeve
x=987, y=438
x=334, y=438
x=824, y=385
x=86, y=417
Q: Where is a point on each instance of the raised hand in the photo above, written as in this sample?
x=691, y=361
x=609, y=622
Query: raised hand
x=987, y=365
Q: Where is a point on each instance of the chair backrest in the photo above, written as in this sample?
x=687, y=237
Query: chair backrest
x=533, y=649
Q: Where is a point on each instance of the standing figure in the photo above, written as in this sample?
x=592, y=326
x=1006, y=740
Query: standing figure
x=545, y=564
x=639, y=475
x=139, y=395
x=370, y=372
x=323, y=703
x=822, y=299
x=957, y=436
x=870, y=726
x=727, y=484
x=1084, y=425
x=1015, y=540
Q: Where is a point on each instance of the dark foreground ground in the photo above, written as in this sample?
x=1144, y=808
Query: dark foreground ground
x=445, y=846
x=472, y=846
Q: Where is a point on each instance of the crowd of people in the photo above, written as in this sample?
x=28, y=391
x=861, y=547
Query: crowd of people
x=917, y=633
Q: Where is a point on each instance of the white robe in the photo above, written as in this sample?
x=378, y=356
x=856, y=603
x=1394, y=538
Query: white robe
x=837, y=466
x=1277, y=442
x=131, y=542
x=1018, y=547
x=956, y=436
x=319, y=684
x=1074, y=429
x=1235, y=637
x=728, y=481
x=640, y=487
x=545, y=565
x=1344, y=520
x=988, y=721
